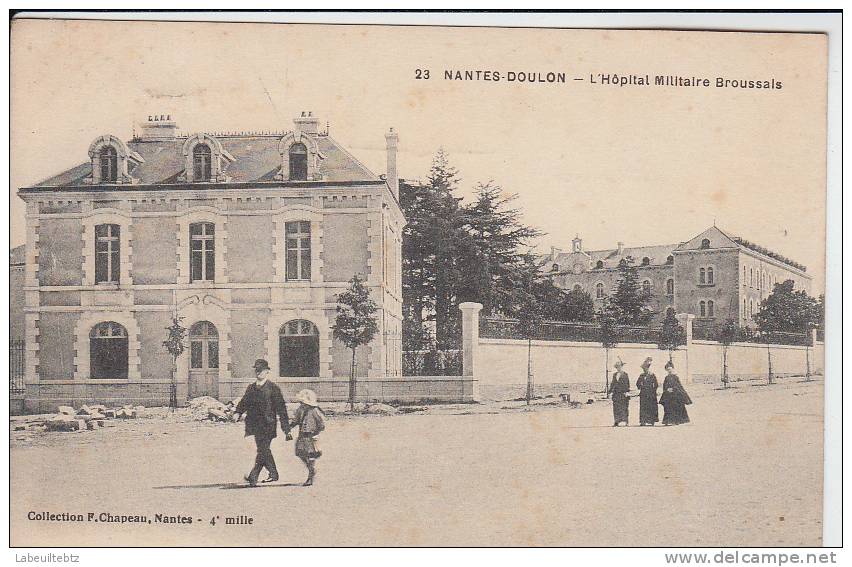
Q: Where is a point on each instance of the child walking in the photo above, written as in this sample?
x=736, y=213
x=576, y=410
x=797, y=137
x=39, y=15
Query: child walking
x=310, y=421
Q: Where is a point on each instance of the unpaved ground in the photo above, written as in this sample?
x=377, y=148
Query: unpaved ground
x=746, y=471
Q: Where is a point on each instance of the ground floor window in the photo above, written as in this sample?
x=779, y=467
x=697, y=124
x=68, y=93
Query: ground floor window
x=298, y=349
x=203, y=346
x=108, y=351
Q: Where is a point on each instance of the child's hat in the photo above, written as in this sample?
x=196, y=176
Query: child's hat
x=308, y=397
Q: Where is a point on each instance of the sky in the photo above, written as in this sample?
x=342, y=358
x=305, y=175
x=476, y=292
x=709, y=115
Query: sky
x=642, y=165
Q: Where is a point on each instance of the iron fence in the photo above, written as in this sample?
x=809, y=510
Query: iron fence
x=432, y=362
x=16, y=366
x=747, y=335
x=498, y=328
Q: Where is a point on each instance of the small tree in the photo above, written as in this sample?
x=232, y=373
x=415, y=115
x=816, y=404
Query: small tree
x=727, y=334
x=608, y=339
x=529, y=321
x=174, y=344
x=355, y=324
x=672, y=335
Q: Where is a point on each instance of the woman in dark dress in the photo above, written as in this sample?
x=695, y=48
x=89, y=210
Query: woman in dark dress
x=647, y=385
x=619, y=387
x=674, y=399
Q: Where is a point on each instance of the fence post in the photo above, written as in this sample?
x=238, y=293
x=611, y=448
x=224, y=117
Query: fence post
x=685, y=321
x=470, y=340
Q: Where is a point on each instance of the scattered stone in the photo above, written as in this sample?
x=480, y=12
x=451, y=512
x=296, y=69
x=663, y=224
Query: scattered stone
x=66, y=410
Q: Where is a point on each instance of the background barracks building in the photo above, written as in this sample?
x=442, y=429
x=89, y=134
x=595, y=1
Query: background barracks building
x=713, y=276
x=248, y=237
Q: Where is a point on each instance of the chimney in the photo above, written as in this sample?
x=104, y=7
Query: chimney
x=620, y=248
x=158, y=127
x=392, y=139
x=306, y=123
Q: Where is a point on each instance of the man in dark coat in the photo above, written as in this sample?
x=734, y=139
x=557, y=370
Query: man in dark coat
x=619, y=387
x=263, y=404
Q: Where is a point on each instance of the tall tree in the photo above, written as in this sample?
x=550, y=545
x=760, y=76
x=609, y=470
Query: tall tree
x=629, y=303
x=788, y=310
x=498, y=239
x=355, y=324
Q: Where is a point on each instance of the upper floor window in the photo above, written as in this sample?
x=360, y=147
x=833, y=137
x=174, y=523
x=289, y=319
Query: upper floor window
x=702, y=275
x=751, y=277
x=298, y=162
x=646, y=261
x=554, y=268
x=646, y=287
x=202, y=161
x=744, y=275
x=670, y=286
x=298, y=235
x=109, y=164
x=711, y=309
x=710, y=280
x=706, y=276
x=202, y=256
x=705, y=243
x=107, y=253
x=702, y=309
x=599, y=291
x=108, y=351
x=599, y=264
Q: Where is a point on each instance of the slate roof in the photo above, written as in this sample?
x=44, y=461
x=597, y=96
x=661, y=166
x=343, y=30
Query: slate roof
x=256, y=160
x=611, y=258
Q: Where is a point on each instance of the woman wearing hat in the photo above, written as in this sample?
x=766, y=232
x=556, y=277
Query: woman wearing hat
x=310, y=421
x=619, y=387
x=674, y=399
x=262, y=404
x=647, y=385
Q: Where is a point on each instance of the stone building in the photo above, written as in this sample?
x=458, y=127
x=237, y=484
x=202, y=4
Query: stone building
x=713, y=275
x=246, y=236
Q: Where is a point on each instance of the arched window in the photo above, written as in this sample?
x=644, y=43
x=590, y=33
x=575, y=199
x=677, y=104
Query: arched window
x=646, y=261
x=109, y=164
x=710, y=276
x=705, y=243
x=702, y=276
x=670, y=286
x=202, y=242
x=108, y=351
x=599, y=264
x=702, y=308
x=107, y=253
x=670, y=260
x=751, y=308
x=599, y=291
x=203, y=346
x=298, y=162
x=711, y=311
x=298, y=349
x=744, y=276
x=554, y=268
x=751, y=277
x=646, y=287
x=202, y=162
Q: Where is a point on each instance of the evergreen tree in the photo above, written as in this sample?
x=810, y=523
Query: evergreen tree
x=628, y=305
x=497, y=236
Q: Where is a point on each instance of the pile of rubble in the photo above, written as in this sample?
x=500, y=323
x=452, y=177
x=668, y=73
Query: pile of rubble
x=86, y=418
x=208, y=408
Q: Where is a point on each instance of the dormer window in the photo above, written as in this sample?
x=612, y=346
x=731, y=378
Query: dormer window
x=112, y=161
x=298, y=162
x=109, y=164
x=599, y=265
x=646, y=261
x=670, y=260
x=202, y=159
x=705, y=243
x=554, y=268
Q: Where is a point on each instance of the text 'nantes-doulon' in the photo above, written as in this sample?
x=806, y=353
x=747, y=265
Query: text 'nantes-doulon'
x=631, y=80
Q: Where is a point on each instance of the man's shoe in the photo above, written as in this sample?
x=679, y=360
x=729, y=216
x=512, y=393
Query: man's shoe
x=271, y=478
